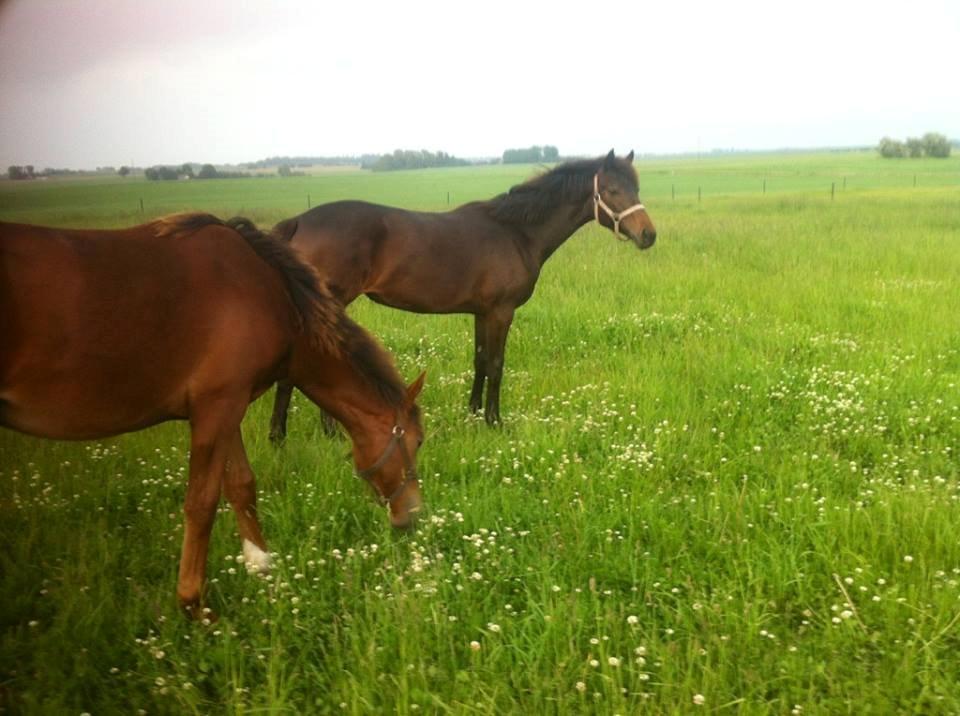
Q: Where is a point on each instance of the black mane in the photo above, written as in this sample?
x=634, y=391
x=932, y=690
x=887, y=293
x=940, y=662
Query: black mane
x=568, y=183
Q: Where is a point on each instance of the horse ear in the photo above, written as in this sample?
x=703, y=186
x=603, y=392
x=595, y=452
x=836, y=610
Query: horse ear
x=413, y=390
x=608, y=161
x=629, y=157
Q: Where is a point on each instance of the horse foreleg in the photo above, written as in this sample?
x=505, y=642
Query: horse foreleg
x=210, y=432
x=281, y=403
x=497, y=327
x=239, y=487
x=479, y=364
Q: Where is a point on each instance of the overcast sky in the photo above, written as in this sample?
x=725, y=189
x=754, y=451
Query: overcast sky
x=109, y=82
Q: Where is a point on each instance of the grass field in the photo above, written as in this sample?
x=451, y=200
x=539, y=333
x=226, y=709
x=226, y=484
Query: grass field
x=727, y=479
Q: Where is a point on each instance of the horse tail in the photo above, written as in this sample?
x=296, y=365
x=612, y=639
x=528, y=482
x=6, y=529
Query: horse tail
x=318, y=313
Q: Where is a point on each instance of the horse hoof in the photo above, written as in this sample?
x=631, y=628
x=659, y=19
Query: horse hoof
x=196, y=613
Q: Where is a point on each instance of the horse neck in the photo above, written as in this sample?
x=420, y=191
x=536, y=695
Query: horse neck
x=335, y=384
x=546, y=237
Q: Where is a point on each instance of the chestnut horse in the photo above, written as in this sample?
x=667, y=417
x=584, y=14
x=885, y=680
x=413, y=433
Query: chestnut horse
x=192, y=318
x=482, y=258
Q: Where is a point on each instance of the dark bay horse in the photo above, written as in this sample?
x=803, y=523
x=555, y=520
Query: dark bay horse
x=192, y=318
x=482, y=258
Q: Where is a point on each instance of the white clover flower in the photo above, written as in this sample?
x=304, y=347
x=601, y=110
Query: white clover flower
x=613, y=661
x=698, y=699
x=475, y=646
x=580, y=686
x=632, y=620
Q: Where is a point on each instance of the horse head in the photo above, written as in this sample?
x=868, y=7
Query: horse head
x=616, y=201
x=391, y=462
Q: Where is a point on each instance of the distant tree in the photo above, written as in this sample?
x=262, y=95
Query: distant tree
x=936, y=145
x=187, y=170
x=162, y=173
x=551, y=153
x=21, y=172
x=124, y=171
x=208, y=171
x=284, y=170
x=413, y=159
x=891, y=148
x=914, y=147
x=530, y=155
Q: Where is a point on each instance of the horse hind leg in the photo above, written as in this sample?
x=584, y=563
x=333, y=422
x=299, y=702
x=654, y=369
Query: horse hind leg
x=328, y=423
x=239, y=487
x=281, y=405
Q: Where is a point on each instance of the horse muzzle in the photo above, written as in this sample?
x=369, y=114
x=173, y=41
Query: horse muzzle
x=405, y=507
x=647, y=238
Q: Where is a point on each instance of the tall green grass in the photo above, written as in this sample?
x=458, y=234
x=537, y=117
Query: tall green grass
x=727, y=479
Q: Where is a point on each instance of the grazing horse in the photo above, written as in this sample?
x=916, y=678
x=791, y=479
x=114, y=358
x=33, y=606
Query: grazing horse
x=192, y=318
x=482, y=258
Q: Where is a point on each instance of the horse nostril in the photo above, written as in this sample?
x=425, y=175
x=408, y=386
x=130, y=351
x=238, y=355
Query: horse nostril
x=650, y=235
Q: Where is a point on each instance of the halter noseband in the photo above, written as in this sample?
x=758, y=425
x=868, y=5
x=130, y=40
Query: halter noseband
x=615, y=216
x=409, y=468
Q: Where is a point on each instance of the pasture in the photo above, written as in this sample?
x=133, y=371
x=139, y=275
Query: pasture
x=727, y=478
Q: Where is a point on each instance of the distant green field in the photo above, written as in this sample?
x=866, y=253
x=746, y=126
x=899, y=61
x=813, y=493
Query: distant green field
x=727, y=480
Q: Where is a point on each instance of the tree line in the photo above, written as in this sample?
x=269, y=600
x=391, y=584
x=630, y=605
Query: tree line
x=930, y=144
x=531, y=155
x=19, y=172
x=307, y=161
x=185, y=171
x=413, y=159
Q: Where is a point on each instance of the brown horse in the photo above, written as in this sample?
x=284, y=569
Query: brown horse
x=191, y=318
x=482, y=258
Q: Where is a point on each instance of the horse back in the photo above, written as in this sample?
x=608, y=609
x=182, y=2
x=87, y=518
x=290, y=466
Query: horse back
x=110, y=331
x=458, y=261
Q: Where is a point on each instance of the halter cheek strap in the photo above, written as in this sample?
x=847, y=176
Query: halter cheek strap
x=615, y=216
x=409, y=469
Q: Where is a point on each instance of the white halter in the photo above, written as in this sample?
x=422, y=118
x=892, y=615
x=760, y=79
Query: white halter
x=615, y=216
